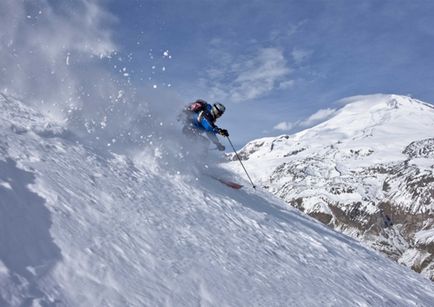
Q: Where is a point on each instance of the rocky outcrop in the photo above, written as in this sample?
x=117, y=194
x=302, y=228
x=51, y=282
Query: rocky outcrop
x=384, y=205
x=367, y=172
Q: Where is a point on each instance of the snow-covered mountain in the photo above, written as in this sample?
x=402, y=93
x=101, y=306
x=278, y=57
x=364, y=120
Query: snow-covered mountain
x=86, y=228
x=368, y=171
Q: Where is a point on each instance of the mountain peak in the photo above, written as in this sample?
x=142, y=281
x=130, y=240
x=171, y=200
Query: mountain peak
x=361, y=122
x=368, y=165
x=382, y=102
x=377, y=117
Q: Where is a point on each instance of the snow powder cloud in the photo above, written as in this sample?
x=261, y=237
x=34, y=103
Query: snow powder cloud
x=49, y=50
x=61, y=58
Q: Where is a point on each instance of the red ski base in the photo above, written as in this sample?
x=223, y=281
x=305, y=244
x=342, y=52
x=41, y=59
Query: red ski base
x=230, y=184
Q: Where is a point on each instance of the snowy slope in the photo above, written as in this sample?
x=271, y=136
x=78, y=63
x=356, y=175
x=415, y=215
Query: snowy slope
x=81, y=228
x=370, y=161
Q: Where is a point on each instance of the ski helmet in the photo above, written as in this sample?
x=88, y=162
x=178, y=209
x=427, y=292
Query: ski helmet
x=218, y=109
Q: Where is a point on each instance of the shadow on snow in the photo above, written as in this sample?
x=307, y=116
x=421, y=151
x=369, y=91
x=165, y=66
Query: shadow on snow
x=26, y=246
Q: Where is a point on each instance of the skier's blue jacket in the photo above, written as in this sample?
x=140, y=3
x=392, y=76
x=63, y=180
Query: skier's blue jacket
x=201, y=119
x=204, y=120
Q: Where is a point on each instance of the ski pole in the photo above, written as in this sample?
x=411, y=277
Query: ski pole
x=239, y=159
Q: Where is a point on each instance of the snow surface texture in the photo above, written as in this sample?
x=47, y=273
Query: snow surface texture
x=85, y=228
x=367, y=171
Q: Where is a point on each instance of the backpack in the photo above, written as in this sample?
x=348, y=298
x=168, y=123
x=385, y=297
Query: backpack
x=197, y=106
x=192, y=110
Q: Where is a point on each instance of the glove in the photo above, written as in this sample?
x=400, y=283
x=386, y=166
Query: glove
x=223, y=132
x=220, y=147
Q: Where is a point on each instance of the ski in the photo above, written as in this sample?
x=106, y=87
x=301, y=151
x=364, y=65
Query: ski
x=229, y=183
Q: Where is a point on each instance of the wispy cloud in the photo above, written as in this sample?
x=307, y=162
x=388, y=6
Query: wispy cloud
x=317, y=117
x=245, y=78
x=284, y=126
x=312, y=120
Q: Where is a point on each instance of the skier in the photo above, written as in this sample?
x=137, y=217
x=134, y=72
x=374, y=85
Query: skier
x=200, y=117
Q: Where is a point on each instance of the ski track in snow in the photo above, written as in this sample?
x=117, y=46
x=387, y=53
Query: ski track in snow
x=80, y=228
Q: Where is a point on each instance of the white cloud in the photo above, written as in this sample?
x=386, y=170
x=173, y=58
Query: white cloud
x=318, y=116
x=314, y=119
x=248, y=77
x=284, y=126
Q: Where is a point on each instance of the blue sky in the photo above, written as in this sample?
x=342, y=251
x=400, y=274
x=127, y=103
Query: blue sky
x=278, y=66
x=277, y=62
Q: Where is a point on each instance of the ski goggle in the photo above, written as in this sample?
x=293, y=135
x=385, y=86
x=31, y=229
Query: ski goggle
x=218, y=109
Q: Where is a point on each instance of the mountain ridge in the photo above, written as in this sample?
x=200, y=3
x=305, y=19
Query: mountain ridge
x=368, y=161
